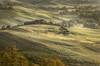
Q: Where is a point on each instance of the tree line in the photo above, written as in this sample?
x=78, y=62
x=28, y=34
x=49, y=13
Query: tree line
x=42, y=21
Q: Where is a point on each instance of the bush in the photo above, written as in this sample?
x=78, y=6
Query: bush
x=10, y=57
x=3, y=28
x=8, y=26
x=51, y=62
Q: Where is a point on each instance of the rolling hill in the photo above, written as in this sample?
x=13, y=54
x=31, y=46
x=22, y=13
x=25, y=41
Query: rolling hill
x=77, y=48
x=22, y=14
x=59, y=2
x=26, y=11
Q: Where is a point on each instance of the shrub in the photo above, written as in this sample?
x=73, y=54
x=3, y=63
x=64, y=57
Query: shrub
x=51, y=62
x=3, y=28
x=8, y=26
x=10, y=57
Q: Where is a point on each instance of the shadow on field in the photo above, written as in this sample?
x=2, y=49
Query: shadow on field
x=7, y=14
x=8, y=40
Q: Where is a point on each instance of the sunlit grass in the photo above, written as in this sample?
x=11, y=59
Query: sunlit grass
x=80, y=45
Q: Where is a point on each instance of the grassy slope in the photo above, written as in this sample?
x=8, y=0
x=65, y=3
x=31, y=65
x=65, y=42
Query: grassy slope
x=81, y=47
x=18, y=16
x=22, y=14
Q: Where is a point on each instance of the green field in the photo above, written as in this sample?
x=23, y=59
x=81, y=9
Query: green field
x=80, y=47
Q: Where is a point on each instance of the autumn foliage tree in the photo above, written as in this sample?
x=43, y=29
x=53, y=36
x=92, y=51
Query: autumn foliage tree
x=10, y=57
x=51, y=62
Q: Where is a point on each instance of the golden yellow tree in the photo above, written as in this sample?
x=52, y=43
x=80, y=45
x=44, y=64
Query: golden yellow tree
x=51, y=62
x=10, y=57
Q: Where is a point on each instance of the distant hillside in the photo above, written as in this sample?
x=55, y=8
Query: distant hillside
x=62, y=2
x=54, y=2
x=21, y=14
